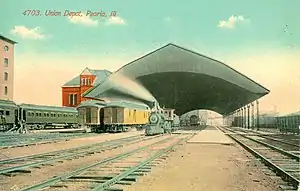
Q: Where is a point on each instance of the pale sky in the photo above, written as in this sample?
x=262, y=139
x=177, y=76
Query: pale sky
x=258, y=38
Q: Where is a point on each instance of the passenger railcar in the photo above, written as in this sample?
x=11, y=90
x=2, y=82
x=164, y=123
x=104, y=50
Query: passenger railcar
x=40, y=116
x=114, y=116
x=35, y=116
x=8, y=114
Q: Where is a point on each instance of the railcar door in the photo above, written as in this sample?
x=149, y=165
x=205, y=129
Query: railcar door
x=101, y=116
x=20, y=114
x=16, y=116
x=24, y=115
x=88, y=115
x=114, y=115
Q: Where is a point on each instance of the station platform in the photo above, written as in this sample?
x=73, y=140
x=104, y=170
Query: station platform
x=211, y=135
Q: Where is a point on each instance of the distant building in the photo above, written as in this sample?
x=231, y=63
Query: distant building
x=6, y=68
x=72, y=90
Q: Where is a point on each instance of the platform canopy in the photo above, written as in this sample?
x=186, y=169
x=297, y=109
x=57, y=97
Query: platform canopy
x=185, y=80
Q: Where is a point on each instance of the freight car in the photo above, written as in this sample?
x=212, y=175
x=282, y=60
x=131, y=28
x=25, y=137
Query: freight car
x=289, y=123
x=114, y=116
x=35, y=116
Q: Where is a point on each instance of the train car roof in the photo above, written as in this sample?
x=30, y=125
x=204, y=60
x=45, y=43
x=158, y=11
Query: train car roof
x=7, y=103
x=126, y=104
x=48, y=108
x=291, y=114
x=92, y=103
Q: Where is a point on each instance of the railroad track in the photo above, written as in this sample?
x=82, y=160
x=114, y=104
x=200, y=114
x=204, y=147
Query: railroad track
x=284, y=163
x=115, y=172
x=22, y=164
x=286, y=145
x=20, y=140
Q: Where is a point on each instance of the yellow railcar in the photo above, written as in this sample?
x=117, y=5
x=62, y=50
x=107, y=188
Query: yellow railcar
x=112, y=116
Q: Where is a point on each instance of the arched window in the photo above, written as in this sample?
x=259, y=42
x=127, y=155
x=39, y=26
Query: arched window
x=6, y=48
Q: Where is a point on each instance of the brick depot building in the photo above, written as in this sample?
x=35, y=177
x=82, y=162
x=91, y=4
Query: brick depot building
x=72, y=90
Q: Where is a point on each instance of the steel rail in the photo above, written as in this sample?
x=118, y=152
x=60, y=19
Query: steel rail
x=38, y=140
x=287, y=176
x=123, y=175
x=9, y=160
x=113, y=145
x=269, y=138
x=78, y=171
x=287, y=153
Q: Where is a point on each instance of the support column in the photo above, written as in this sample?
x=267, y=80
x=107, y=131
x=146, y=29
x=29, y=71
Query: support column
x=239, y=118
x=245, y=117
x=242, y=117
x=253, y=122
x=257, y=115
x=248, y=107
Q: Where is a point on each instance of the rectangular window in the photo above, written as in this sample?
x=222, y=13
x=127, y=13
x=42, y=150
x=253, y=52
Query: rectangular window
x=6, y=62
x=5, y=90
x=7, y=113
x=5, y=76
x=71, y=99
x=75, y=99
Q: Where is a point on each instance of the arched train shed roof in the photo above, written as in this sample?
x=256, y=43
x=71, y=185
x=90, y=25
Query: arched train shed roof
x=185, y=80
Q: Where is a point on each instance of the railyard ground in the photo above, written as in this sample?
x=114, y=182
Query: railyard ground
x=206, y=162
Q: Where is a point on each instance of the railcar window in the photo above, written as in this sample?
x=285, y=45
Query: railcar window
x=1, y=112
x=7, y=113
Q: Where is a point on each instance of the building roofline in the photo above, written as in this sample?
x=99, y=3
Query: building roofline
x=7, y=39
x=196, y=53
